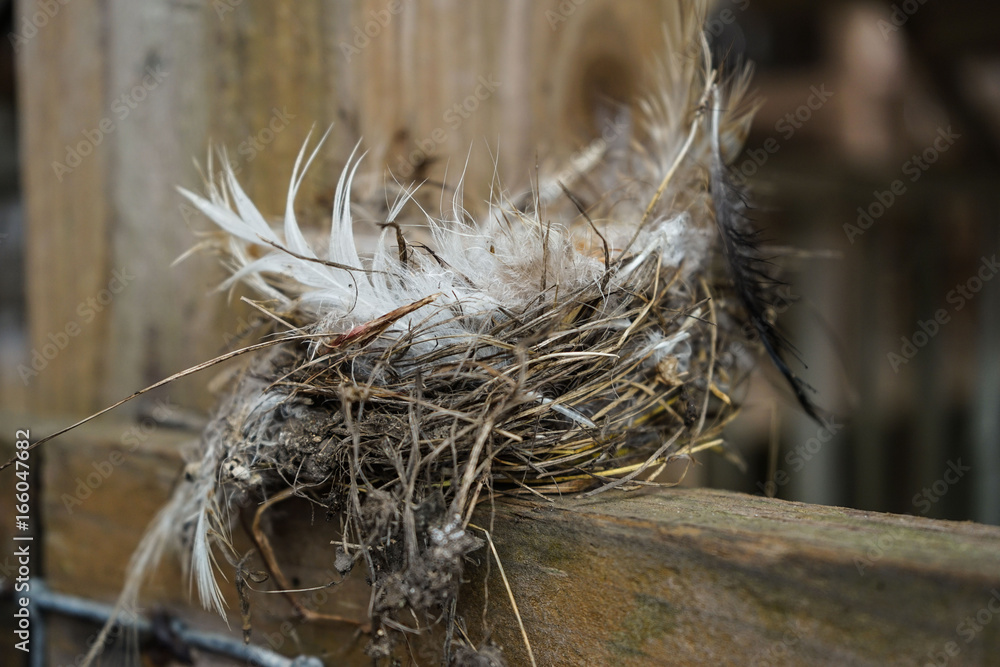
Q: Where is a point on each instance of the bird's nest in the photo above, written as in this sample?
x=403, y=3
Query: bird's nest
x=536, y=351
x=406, y=430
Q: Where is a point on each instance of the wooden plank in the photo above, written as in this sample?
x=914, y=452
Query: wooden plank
x=68, y=214
x=113, y=112
x=678, y=576
x=691, y=577
x=166, y=78
x=164, y=320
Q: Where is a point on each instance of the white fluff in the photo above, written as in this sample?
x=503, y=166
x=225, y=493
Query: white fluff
x=483, y=267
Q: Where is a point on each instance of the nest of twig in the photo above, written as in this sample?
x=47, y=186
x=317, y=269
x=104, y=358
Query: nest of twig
x=550, y=348
x=407, y=429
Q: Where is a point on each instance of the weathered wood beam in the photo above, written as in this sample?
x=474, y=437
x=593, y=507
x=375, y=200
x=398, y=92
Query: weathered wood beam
x=675, y=576
x=697, y=576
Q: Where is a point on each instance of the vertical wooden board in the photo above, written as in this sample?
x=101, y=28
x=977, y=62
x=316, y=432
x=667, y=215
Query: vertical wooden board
x=518, y=68
x=61, y=82
x=233, y=73
x=589, y=57
x=277, y=82
x=157, y=81
x=122, y=82
x=280, y=69
x=379, y=77
x=406, y=77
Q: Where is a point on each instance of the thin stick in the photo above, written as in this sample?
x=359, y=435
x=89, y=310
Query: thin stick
x=711, y=360
x=359, y=334
x=510, y=594
x=316, y=260
x=638, y=471
x=269, y=314
x=583, y=211
x=699, y=112
x=271, y=562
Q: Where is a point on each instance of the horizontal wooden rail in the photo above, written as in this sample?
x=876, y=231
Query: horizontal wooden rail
x=671, y=576
x=697, y=576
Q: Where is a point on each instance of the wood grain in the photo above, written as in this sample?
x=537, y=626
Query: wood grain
x=685, y=577
x=255, y=78
x=69, y=221
x=692, y=577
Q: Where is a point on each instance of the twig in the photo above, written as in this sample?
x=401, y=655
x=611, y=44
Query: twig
x=267, y=553
x=510, y=594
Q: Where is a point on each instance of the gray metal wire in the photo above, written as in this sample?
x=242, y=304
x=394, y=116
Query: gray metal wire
x=44, y=600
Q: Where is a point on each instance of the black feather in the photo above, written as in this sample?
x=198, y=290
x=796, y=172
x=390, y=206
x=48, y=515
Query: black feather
x=747, y=268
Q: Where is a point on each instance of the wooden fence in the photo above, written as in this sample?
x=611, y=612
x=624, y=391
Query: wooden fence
x=116, y=98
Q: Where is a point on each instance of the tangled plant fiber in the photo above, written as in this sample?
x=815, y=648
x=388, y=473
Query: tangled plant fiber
x=556, y=347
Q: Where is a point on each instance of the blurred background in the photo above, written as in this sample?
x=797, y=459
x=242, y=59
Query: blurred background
x=875, y=152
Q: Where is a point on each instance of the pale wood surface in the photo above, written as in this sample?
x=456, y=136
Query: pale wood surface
x=228, y=69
